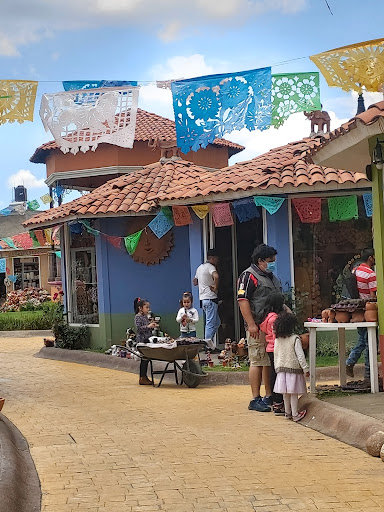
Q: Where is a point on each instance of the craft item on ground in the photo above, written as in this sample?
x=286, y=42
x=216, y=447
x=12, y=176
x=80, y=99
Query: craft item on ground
x=353, y=67
x=181, y=215
x=221, y=213
x=342, y=208
x=83, y=120
x=210, y=106
x=308, y=209
x=294, y=92
x=201, y=210
x=17, y=100
x=271, y=204
x=245, y=209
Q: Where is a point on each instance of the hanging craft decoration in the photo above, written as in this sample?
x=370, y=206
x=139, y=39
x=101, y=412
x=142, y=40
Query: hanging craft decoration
x=34, y=239
x=48, y=235
x=102, y=115
x=55, y=233
x=367, y=198
x=162, y=223
x=58, y=193
x=13, y=279
x=308, y=209
x=113, y=240
x=23, y=241
x=343, y=208
x=271, y=204
x=5, y=211
x=75, y=228
x=46, y=199
x=245, y=209
x=20, y=208
x=95, y=84
x=89, y=228
x=33, y=205
x=17, y=100
x=221, y=214
x=3, y=265
x=201, y=210
x=211, y=106
x=9, y=242
x=131, y=241
x=353, y=67
x=181, y=215
x=39, y=234
x=294, y=92
x=58, y=254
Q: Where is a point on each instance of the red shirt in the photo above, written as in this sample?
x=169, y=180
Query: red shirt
x=366, y=280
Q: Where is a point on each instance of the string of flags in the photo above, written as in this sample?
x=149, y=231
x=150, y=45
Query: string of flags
x=308, y=209
x=58, y=194
x=32, y=239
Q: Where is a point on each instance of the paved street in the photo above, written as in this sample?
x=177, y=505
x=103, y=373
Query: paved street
x=101, y=443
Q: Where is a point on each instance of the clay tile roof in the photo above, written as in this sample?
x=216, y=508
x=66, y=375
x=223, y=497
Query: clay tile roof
x=371, y=115
x=178, y=181
x=148, y=126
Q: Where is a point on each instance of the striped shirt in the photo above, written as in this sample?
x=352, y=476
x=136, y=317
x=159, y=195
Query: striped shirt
x=366, y=280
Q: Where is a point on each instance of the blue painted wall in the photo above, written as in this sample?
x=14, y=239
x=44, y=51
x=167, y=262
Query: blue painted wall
x=121, y=279
x=278, y=237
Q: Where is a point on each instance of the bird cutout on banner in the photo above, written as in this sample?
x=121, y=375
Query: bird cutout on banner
x=201, y=210
x=46, y=199
x=211, y=106
x=102, y=116
x=294, y=92
x=354, y=67
x=17, y=100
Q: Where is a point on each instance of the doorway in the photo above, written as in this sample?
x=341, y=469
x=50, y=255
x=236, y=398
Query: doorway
x=234, y=245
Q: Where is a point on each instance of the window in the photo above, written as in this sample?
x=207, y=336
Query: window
x=83, y=279
x=27, y=271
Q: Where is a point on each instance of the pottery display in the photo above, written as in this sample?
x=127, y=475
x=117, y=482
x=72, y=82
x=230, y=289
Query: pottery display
x=343, y=317
x=370, y=314
x=325, y=315
x=332, y=316
x=358, y=316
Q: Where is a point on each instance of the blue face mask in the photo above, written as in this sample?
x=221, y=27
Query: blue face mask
x=271, y=266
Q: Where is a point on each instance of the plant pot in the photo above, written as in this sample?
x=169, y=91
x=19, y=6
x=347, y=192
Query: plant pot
x=358, y=316
x=305, y=340
x=371, y=315
x=371, y=306
x=49, y=343
x=343, y=317
x=332, y=316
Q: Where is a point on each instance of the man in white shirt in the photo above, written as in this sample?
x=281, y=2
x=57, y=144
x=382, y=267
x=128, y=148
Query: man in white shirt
x=207, y=279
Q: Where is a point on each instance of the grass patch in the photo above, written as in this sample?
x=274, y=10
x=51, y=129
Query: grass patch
x=24, y=321
x=322, y=361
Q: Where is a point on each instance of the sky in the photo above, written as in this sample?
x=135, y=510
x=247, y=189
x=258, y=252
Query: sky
x=148, y=40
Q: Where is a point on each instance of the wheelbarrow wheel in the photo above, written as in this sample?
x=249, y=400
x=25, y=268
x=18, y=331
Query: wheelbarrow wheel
x=192, y=375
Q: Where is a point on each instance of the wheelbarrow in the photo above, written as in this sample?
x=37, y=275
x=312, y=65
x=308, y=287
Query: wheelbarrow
x=191, y=372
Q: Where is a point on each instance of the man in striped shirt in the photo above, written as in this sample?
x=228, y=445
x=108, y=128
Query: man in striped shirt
x=366, y=285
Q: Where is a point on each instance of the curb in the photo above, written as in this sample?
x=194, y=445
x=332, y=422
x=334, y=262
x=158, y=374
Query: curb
x=20, y=489
x=25, y=334
x=348, y=426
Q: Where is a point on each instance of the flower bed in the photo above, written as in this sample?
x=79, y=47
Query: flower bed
x=29, y=299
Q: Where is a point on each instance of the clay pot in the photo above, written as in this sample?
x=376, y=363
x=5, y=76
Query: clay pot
x=371, y=316
x=332, y=316
x=325, y=315
x=343, y=317
x=358, y=316
x=370, y=306
x=48, y=342
x=305, y=340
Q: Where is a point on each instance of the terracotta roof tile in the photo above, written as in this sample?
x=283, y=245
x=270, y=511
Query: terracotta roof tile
x=148, y=126
x=178, y=180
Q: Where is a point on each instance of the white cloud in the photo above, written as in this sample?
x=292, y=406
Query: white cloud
x=23, y=21
x=26, y=178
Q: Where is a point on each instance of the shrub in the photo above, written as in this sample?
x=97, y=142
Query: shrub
x=24, y=320
x=73, y=338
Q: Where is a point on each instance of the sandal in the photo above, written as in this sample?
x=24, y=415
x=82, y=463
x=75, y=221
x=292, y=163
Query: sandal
x=300, y=415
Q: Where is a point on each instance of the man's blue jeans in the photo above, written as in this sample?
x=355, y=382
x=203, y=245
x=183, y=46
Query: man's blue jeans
x=358, y=349
x=212, y=319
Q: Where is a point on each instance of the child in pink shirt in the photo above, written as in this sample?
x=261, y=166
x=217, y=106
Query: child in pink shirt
x=274, y=305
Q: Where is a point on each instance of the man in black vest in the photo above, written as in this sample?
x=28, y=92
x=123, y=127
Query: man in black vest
x=254, y=286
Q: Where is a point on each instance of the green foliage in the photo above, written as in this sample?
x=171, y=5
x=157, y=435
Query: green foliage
x=24, y=321
x=327, y=345
x=73, y=338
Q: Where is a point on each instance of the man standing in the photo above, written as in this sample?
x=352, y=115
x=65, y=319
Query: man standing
x=366, y=285
x=254, y=286
x=207, y=279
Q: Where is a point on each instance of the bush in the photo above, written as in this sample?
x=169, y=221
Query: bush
x=24, y=321
x=73, y=338
x=327, y=345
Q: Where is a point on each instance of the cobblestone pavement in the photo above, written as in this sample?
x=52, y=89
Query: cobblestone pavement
x=101, y=443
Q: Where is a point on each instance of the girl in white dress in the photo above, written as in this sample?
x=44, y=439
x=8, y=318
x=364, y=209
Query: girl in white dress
x=290, y=365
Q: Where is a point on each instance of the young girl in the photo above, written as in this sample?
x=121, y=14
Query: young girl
x=290, y=365
x=187, y=316
x=143, y=331
x=274, y=305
